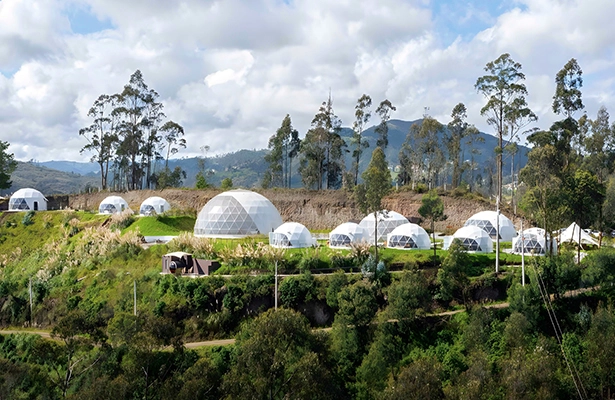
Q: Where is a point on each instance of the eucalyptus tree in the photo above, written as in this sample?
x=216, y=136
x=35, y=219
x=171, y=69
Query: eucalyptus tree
x=362, y=117
x=599, y=146
x=427, y=144
x=7, y=165
x=172, y=133
x=384, y=112
x=506, y=109
x=102, y=133
x=322, y=163
x=153, y=135
x=131, y=130
x=283, y=147
x=458, y=130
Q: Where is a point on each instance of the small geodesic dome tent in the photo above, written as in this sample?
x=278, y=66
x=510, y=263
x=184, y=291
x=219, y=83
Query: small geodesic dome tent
x=237, y=213
x=113, y=205
x=408, y=236
x=487, y=220
x=154, y=205
x=473, y=239
x=387, y=221
x=27, y=199
x=346, y=234
x=291, y=235
x=533, y=241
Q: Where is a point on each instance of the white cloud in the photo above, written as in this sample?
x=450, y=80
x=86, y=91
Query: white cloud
x=229, y=71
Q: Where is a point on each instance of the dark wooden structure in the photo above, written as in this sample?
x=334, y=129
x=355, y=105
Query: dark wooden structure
x=180, y=263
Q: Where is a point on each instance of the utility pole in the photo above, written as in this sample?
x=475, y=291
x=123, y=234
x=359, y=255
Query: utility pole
x=30, y=292
x=276, y=285
x=497, y=235
x=523, y=255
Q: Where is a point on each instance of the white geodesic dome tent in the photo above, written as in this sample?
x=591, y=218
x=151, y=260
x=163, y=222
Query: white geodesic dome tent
x=291, y=235
x=533, y=241
x=113, y=205
x=237, y=213
x=409, y=237
x=487, y=220
x=154, y=205
x=27, y=199
x=344, y=235
x=387, y=221
x=473, y=239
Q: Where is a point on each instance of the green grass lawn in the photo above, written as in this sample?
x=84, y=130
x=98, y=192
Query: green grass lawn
x=162, y=225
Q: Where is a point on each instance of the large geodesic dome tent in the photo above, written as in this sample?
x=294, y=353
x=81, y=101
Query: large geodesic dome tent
x=408, y=236
x=27, y=199
x=487, y=220
x=533, y=241
x=344, y=235
x=237, y=213
x=387, y=221
x=113, y=205
x=473, y=239
x=291, y=235
x=154, y=205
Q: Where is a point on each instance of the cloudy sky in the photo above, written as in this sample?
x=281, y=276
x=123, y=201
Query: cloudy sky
x=229, y=71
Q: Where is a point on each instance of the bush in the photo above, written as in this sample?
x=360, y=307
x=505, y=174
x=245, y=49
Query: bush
x=27, y=218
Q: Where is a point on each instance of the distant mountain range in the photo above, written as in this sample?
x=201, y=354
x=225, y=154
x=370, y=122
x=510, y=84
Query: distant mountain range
x=245, y=167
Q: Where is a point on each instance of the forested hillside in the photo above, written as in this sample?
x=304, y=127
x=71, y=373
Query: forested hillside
x=411, y=332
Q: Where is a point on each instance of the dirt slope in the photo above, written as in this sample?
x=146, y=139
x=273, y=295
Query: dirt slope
x=315, y=209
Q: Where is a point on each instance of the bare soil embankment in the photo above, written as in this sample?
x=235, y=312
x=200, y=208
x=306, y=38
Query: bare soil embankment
x=317, y=210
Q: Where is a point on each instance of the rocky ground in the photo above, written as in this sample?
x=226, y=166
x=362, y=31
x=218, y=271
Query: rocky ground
x=318, y=210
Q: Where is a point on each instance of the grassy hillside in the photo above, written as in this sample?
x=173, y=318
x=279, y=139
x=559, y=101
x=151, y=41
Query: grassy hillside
x=48, y=181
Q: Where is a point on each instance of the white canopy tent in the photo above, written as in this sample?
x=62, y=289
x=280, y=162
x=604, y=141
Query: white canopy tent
x=571, y=234
x=26, y=200
x=291, y=235
x=113, y=205
x=154, y=205
x=387, y=221
x=473, y=238
x=344, y=235
x=237, y=213
x=533, y=241
x=487, y=220
x=409, y=237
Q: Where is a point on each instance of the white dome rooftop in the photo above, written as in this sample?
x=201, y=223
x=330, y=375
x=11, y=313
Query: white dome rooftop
x=487, y=220
x=237, y=213
x=344, y=235
x=408, y=236
x=291, y=235
x=387, y=221
x=154, y=205
x=113, y=205
x=27, y=199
